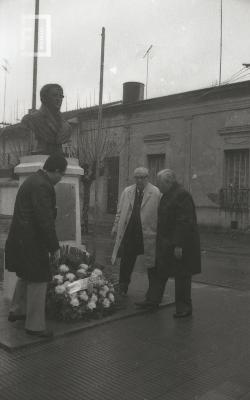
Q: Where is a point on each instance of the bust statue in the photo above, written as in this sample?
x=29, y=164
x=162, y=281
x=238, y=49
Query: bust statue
x=47, y=130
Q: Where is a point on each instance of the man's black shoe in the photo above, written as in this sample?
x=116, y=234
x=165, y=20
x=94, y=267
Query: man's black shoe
x=123, y=293
x=182, y=314
x=43, y=334
x=147, y=305
x=122, y=290
x=15, y=317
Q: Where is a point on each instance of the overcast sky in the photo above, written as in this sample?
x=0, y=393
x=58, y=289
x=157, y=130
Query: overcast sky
x=185, y=35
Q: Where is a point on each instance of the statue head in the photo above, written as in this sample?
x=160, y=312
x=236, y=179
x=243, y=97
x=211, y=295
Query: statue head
x=51, y=96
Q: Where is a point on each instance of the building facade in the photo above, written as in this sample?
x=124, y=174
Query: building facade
x=203, y=135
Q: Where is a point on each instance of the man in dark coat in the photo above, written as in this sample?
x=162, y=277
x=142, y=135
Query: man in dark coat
x=177, y=246
x=31, y=242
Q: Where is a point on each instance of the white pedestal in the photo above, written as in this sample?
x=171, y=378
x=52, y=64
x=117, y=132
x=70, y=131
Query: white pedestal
x=68, y=222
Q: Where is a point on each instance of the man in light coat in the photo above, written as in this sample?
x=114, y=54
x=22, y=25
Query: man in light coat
x=135, y=226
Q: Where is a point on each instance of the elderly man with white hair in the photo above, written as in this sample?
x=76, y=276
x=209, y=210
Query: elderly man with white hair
x=177, y=248
x=135, y=226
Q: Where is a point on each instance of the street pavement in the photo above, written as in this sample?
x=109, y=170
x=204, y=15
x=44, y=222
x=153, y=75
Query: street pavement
x=225, y=258
x=149, y=355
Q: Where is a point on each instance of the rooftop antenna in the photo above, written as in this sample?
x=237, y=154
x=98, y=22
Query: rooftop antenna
x=147, y=56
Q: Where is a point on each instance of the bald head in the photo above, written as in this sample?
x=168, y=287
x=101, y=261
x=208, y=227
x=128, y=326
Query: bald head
x=166, y=178
x=141, y=177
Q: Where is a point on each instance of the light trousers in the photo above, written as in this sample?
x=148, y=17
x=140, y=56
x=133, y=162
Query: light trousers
x=29, y=299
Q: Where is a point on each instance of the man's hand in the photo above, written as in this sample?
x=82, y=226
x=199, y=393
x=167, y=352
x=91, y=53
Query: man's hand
x=55, y=257
x=178, y=253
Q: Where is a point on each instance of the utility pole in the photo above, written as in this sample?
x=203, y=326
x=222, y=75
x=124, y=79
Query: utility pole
x=147, y=55
x=5, y=67
x=101, y=84
x=98, y=146
x=35, y=55
x=221, y=37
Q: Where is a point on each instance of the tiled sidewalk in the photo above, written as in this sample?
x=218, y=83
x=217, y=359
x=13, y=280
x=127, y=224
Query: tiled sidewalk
x=13, y=337
x=148, y=357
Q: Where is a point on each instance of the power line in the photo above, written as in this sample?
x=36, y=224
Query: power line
x=234, y=76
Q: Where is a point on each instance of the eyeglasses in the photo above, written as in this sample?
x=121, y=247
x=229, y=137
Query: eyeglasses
x=140, y=177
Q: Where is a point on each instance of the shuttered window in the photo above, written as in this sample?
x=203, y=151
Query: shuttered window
x=156, y=162
x=236, y=172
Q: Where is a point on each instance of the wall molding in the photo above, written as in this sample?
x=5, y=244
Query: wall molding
x=156, y=138
x=238, y=131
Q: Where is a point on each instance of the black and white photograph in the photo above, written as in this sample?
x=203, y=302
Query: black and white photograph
x=124, y=199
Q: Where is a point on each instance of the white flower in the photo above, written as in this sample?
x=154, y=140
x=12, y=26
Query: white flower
x=106, y=303
x=100, y=282
x=94, y=298
x=70, y=277
x=111, y=297
x=63, y=268
x=102, y=293
x=84, y=266
x=93, y=280
x=104, y=290
x=60, y=289
x=58, y=279
x=81, y=272
x=83, y=295
x=66, y=283
x=74, y=302
x=96, y=272
x=91, y=305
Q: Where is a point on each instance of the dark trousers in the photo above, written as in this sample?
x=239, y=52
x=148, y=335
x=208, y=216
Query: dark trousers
x=127, y=264
x=157, y=285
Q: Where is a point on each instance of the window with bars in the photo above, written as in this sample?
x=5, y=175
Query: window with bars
x=156, y=162
x=236, y=170
x=235, y=194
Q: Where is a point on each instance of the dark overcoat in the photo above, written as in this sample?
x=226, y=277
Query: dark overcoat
x=177, y=226
x=32, y=234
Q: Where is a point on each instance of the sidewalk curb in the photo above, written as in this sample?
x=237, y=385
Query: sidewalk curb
x=89, y=325
x=224, y=251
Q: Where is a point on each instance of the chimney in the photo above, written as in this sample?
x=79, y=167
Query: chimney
x=133, y=92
